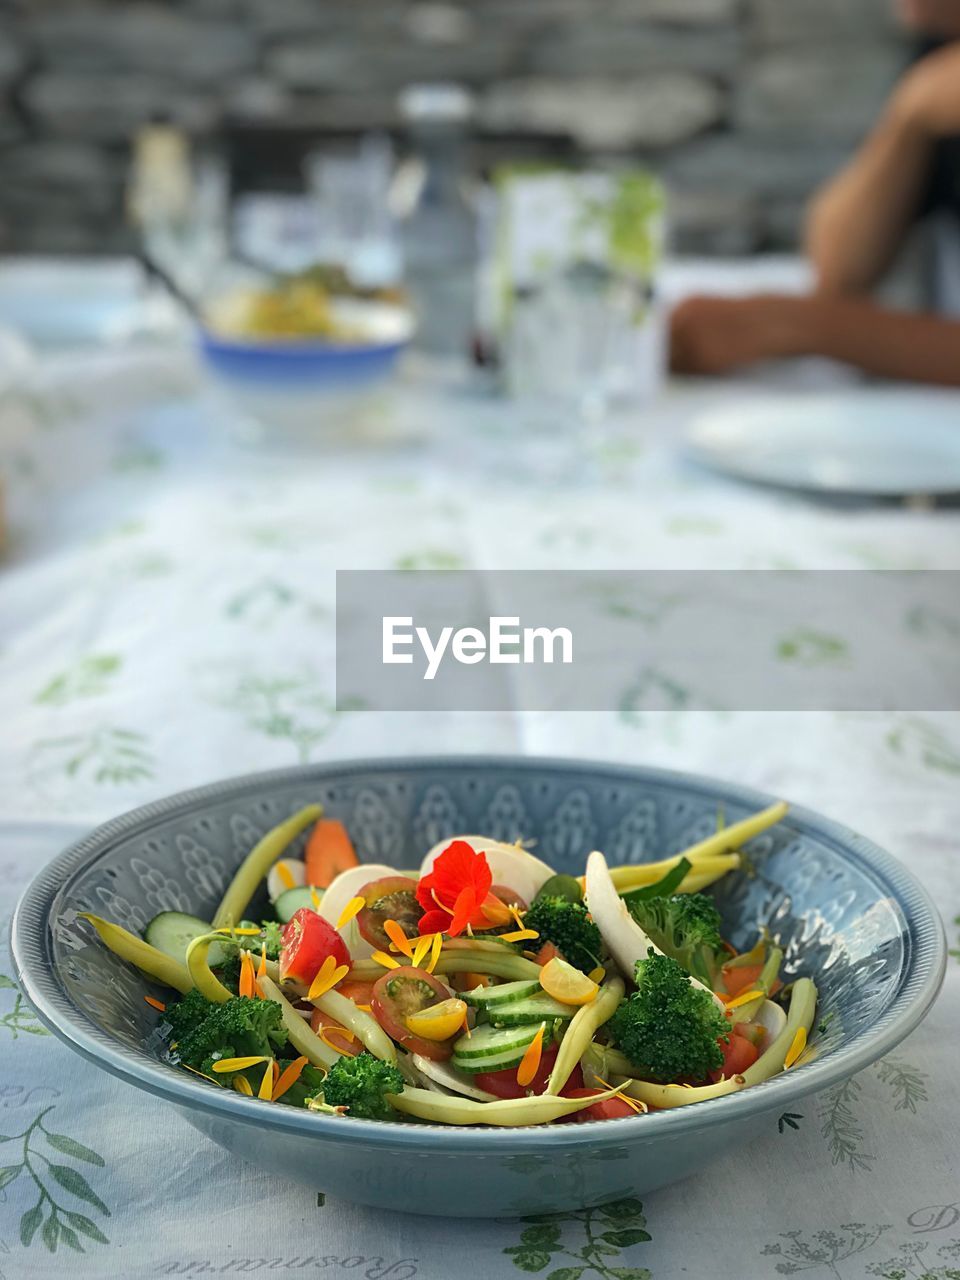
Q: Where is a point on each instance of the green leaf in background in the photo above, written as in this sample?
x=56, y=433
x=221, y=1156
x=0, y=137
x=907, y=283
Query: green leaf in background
x=7, y=983
x=70, y=1147
x=624, y=1239
x=621, y=1209
x=566, y=1273
x=29, y=1223
x=809, y=648
x=77, y=1185
x=87, y=678
x=89, y=1228
x=8, y=1174
x=70, y=1238
x=529, y=1259
x=50, y=1231
x=543, y=1236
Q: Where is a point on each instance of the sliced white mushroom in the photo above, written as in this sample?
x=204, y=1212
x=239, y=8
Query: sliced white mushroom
x=342, y=888
x=288, y=873
x=446, y=1076
x=510, y=865
x=625, y=940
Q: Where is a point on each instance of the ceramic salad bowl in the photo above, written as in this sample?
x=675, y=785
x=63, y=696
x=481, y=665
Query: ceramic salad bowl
x=847, y=915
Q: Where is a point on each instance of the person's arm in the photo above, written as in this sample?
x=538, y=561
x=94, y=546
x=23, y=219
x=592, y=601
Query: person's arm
x=856, y=224
x=720, y=335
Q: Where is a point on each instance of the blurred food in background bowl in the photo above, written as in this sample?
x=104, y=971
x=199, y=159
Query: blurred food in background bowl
x=293, y=356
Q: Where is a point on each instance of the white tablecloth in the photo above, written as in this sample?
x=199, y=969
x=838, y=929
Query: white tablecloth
x=166, y=618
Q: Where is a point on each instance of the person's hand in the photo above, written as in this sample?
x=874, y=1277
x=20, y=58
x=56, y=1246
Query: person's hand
x=931, y=17
x=717, y=335
x=927, y=99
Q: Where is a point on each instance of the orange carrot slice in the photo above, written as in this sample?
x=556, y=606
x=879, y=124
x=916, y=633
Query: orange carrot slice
x=329, y=851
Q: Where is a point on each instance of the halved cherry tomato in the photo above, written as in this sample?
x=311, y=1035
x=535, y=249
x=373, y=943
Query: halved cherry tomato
x=305, y=943
x=391, y=898
x=335, y=1033
x=504, y=1083
x=358, y=992
x=608, y=1109
x=329, y=851
x=738, y=1054
x=402, y=992
x=743, y=978
x=567, y=984
x=438, y=1021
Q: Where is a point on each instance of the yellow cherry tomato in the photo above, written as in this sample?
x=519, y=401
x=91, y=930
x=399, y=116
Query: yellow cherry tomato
x=567, y=984
x=438, y=1021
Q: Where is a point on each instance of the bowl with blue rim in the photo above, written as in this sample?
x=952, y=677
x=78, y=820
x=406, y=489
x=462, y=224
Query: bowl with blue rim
x=847, y=915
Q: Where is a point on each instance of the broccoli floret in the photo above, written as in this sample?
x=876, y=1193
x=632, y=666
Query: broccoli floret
x=241, y=1027
x=685, y=927
x=270, y=933
x=669, y=1028
x=568, y=926
x=361, y=1084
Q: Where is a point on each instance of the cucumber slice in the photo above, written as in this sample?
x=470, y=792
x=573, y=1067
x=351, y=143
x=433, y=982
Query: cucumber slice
x=496, y=1062
x=172, y=932
x=291, y=900
x=502, y=993
x=485, y=1042
x=536, y=1009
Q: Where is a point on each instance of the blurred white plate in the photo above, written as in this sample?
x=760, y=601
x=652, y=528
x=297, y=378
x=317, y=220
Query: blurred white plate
x=70, y=303
x=871, y=442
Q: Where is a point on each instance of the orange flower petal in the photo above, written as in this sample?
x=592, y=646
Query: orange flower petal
x=530, y=1062
x=248, y=979
x=396, y=935
x=388, y=962
x=329, y=974
x=288, y=1077
x=156, y=1004
x=262, y=966
x=519, y=935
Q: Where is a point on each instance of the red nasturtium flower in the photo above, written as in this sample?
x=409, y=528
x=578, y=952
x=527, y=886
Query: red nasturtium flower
x=454, y=891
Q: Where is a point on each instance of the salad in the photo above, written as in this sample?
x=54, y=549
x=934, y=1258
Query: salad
x=480, y=989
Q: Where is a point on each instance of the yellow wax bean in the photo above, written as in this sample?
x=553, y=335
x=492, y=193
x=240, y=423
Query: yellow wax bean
x=129, y=947
x=506, y=1112
x=305, y=1041
x=583, y=1027
x=803, y=1007
x=201, y=975
x=644, y=873
x=363, y=1025
x=258, y=862
x=668, y=1096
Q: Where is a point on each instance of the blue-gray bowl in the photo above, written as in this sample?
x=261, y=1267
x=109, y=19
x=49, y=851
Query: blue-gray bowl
x=847, y=914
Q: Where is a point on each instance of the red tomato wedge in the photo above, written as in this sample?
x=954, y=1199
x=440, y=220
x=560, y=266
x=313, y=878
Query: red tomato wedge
x=504, y=1083
x=744, y=978
x=608, y=1109
x=329, y=851
x=398, y=994
x=391, y=898
x=305, y=943
x=738, y=1054
x=335, y=1033
x=358, y=992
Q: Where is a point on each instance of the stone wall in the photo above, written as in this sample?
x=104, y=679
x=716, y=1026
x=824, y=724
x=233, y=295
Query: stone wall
x=742, y=105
